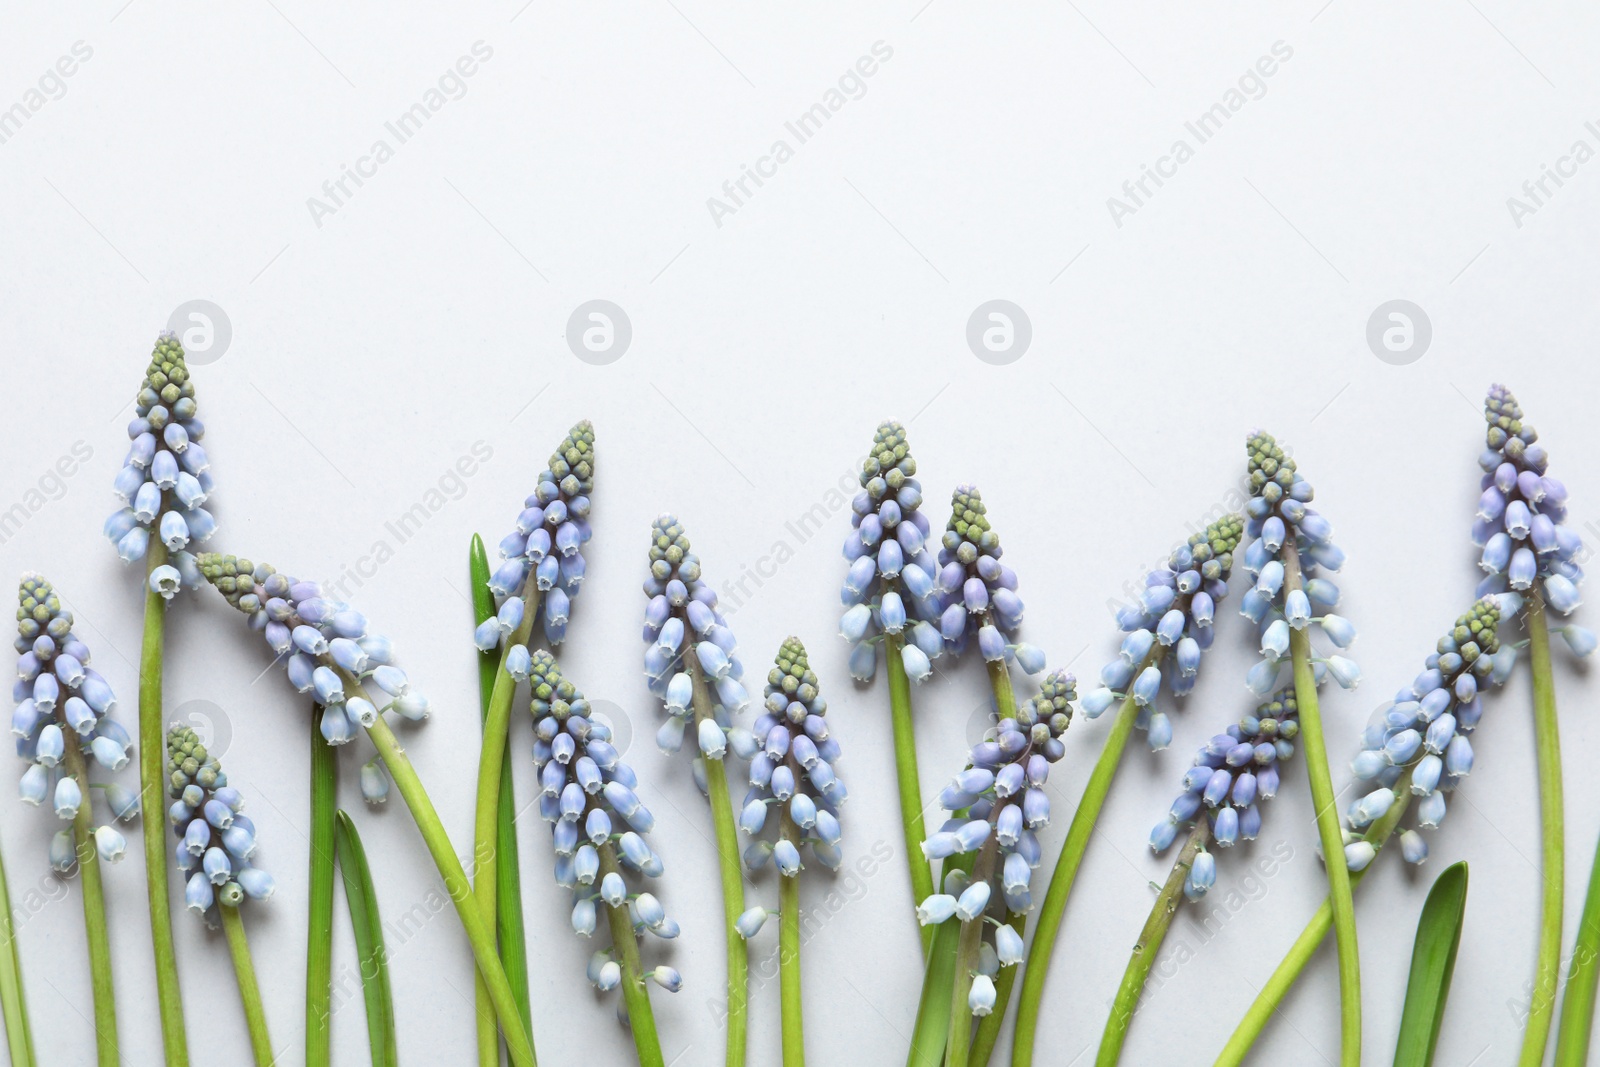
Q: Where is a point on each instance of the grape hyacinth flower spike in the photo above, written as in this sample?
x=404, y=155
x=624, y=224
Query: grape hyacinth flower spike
x=978, y=593
x=990, y=848
x=216, y=854
x=681, y=615
x=328, y=652
x=1166, y=630
x=164, y=484
x=598, y=825
x=1532, y=558
x=1222, y=791
x=1292, y=543
x=542, y=563
x=795, y=790
x=1415, y=749
x=891, y=599
x=63, y=715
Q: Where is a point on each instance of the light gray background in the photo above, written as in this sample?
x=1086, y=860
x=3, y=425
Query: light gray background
x=429, y=312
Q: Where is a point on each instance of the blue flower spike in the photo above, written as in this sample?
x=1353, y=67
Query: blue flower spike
x=165, y=479
x=216, y=850
x=977, y=593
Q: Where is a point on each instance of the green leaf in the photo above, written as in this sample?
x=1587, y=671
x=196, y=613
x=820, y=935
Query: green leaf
x=371, y=955
x=932, y=1030
x=1433, y=961
x=1577, y=1004
x=319, y=925
x=19, y=1037
x=508, y=872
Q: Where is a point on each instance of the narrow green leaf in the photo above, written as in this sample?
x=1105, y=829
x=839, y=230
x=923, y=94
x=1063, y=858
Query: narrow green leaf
x=1577, y=1005
x=1433, y=961
x=508, y=872
x=932, y=1029
x=371, y=955
x=319, y=926
x=19, y=1037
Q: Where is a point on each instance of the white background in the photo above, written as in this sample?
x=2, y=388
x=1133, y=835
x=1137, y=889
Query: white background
x=429, y=311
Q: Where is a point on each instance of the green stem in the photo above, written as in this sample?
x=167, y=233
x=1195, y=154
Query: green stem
x=478, y=931
x=1148, y=947
x=249, y=992
x=152, y=801
x=933, y=1007
x=1305, y=946
x=1055, y=900
x=728, y=863
x=319, y=934
x=486, y=833
x=958, y=1045
x=905, y=769
x=1577, y=1009
x=94, y=910
x=641, y=1017
x=1328, y=829
x=794, y=1038
x=508, y=897
x=988, y=1033
x=1547, y=967
x=19, y=1036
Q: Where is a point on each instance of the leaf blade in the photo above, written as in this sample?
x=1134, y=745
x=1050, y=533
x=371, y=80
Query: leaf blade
x=1433, y=961
x=371, y=956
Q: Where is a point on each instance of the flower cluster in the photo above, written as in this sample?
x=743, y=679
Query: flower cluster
x=215, y=842
x=684, y=635
x=1280, y=522
x=1520, y=515
x=1418, y=744
x=1174, y=613
x=166, y=476
x=793, y=759
x=1231, y=773
x=61, y=700
x=587, y=795
x=998, y=803
x=978, y=593
x=543, y=556
x=326, y=649
x=892, y=570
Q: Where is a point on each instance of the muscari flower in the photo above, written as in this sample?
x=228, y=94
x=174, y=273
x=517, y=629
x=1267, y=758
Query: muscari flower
x=1278, y=519
x=216, y=843
x=977, y=593
x=999, y=801
x=166, y=476
x=793, y=766
x=684, y=634
x=325, y=648
x=1520, y=520
x=1174, y=616
x=1231, y=774
x=63, y=701
x=891, y=585
x=1423, y=735
x=587, y=795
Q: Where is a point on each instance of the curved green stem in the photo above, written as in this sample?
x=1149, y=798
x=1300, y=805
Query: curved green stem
x=1328, y=829
x=319, y=928
x=988, y=1033
x=508, y=896
x=1148, y=947
x=794, y=1038
x=19, y=1035
x=905, y=769
x=728, y=864
x=94, y=910
x=958, y=1045
x=486, y=832
x=1305, y=946
x=152, y=801
x=641, y=1018
x=1547, y=967
x=249, y=992
x=1577, y=1009
x=479, y=933
x=1054, y=907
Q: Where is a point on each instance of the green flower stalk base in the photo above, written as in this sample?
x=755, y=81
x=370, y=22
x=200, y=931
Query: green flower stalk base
x=641, y=1017
x=1328, y=829
x=1148, y=947
x=794, y=1040
x=907, y=778
x=249, y=991
x=94, y=912
x=19, y=1036
x=1547, y=967
x=319, y=921
x=729, y=866
x=152, y=798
